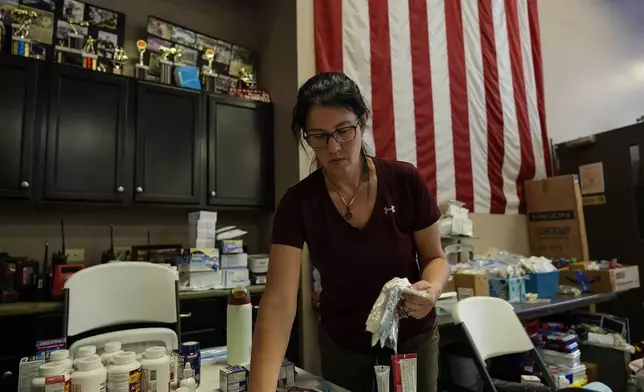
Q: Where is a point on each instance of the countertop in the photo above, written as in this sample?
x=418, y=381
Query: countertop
x=26, y=308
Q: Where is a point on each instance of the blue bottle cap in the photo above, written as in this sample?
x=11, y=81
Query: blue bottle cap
x=189, y=347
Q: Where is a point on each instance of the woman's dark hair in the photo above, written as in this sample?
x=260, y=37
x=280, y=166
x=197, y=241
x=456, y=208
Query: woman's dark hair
x=331, y=89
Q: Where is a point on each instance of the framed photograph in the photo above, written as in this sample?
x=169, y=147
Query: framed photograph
x=154, y=64
x=45, y=5
x=42, y=26
x=63, y=29
x=183, y=36
x=241, y=58
x=155, y=43
x=159, y=28
x=205, y=42
x=223, y=53
x=73, y=11
x=189, y=56
x=106, y=43
x=104, y=19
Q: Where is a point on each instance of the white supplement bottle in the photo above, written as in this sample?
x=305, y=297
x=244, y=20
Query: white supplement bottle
x=155, y=365
x=84, y=352
x=48, y=370
x=90, y=375
x=111, y=349
x=62, y=356
x=124, y=373
x=188, y=380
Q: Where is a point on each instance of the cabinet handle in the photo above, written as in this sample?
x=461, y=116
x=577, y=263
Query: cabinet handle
x=120, y=189
x=185, y=315
x=139, y=189
x=213, y=193
x=24, y=185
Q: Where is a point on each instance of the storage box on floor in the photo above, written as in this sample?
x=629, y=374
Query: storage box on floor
x=556, y=225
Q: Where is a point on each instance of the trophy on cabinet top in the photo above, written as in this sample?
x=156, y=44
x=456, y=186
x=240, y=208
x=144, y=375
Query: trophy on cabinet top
x=207, y=73
x=251, y=92
x=165, y=64
x=70, y=49
x=21, y=44
x=141, y=70
x=119, y=61
x=90, y=59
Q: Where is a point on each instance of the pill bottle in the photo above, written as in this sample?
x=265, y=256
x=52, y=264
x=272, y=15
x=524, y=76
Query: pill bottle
x=111, y=348
x=90, y=375
x=84, y=352
x=124, y=373
x=156, y=370
x=189, y=353
x=62, y=356
x=49, y=370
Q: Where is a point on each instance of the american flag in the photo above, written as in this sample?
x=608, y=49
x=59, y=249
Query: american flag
x=456, y=88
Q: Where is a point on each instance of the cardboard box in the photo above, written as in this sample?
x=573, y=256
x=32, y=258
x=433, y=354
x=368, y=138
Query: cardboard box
x=450, y=286
x=591, y=371
x=556, y=225
x=605, y=281
x=472, y=286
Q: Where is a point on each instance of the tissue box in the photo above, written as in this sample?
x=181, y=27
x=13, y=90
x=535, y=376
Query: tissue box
x=233, y=379
x=235, y=277
x=511, y=289
x=234, y=261
x=203, y=259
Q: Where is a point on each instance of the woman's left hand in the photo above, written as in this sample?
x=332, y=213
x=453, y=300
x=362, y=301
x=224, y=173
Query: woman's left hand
x=419, y=306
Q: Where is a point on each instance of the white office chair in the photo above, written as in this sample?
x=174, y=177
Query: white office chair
x=493, y=329
x=126, y=301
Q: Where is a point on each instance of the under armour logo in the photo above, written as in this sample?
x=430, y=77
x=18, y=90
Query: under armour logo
x=390, y=209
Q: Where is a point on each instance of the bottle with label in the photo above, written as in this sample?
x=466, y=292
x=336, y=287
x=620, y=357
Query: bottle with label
x=124, y=373
x=90, y=375
x=189, y=353
x=50, y=374
x=62, y=356
x=111, y=349
x=155, y=365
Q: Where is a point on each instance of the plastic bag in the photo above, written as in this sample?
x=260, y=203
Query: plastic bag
x=384, y=319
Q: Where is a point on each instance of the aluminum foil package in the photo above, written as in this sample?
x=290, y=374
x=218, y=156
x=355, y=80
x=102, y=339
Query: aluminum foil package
x=384, y=319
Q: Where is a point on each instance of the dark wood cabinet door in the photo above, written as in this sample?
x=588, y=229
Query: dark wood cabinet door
x=168, y=145
x=86, y=137
x=18, y=90
x=240, y=152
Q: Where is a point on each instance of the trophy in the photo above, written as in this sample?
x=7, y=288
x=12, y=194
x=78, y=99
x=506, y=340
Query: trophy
x=251, y=91
x=21, y=44
x=70, y=50
x=119, y=61
x=165, y=64
x=207, y=74
x=141, y=70
x=90, y=59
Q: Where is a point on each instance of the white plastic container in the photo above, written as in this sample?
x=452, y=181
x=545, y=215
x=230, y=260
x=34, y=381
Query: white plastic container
x=124, y=373
x=110, y=350
x=90, y=376
x=188, y=381
x=239, y=327
x=155, y=367
x=62, y=356
x=84, y=352
x=48, y=370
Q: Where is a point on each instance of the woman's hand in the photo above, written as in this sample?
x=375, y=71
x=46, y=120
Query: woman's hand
x=418, y=306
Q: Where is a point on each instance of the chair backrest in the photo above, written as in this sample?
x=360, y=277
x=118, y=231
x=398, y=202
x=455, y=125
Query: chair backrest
x=493, y=326
x=120, y=293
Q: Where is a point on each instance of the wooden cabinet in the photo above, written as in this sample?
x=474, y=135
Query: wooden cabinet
x=86, y=137
x=168, y=145
x=240, y=152
x=18, y=94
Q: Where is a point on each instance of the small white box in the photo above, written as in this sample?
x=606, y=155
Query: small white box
x=203, y=243
x=236, y=277
x=234, y=261
x=202, y=215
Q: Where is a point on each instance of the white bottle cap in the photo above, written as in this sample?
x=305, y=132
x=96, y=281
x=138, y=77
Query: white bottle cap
x=187, y=372
x=90, y=363
x=51, y=369
x=154, y=352
x=112, y=347
x=124, y=358
x=58, y=355
x=85, y=351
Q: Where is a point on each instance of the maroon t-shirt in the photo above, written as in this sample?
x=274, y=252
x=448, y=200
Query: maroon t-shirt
x=354, y=263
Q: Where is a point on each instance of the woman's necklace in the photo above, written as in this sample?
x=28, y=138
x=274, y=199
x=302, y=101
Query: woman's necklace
x=347, y=204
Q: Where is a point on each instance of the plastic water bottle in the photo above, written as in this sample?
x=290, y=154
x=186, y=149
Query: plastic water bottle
x=239, y=327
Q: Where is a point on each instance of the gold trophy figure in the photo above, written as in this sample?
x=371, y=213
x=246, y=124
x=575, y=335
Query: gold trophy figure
x=119, y=60
x=248, y=78
x=207, y=74
x=75, y=38
x=21, y=44
x=89, y=45
x=141, y=70
x=90, y=59
x=165, y=64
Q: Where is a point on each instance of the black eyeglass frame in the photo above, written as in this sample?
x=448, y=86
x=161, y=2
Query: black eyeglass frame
x=333, y=134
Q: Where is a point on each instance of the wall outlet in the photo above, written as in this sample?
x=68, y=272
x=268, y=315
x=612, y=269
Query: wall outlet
x=75, y=255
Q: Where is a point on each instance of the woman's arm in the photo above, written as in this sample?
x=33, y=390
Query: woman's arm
x=431, y=257
x=275, y=317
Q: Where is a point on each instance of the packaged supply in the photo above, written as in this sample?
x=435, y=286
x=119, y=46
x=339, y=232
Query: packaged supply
x=382, y=378
x=90, y=376
x=405, y=372
x=62, y=356
x=44, y=347
x=236, y=277
x=111, y=349
x=258, y=264
x=231, y=246
x=189, y=353
x=188, y=380
x=124, y=373
x=155, y=366
x=84, y=352
x=234, y=261
x=51, y=376
x=258, y=278
x=286, y=377
x=233, y=379
x=203, y=259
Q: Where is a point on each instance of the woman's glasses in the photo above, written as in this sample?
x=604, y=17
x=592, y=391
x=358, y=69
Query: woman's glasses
x=342, y=135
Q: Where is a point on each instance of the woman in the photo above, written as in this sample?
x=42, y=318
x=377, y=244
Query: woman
x=364, y=220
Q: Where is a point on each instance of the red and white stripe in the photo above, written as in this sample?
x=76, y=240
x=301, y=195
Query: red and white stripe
x=456, y=88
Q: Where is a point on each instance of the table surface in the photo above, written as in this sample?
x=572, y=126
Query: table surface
x=210, y=379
